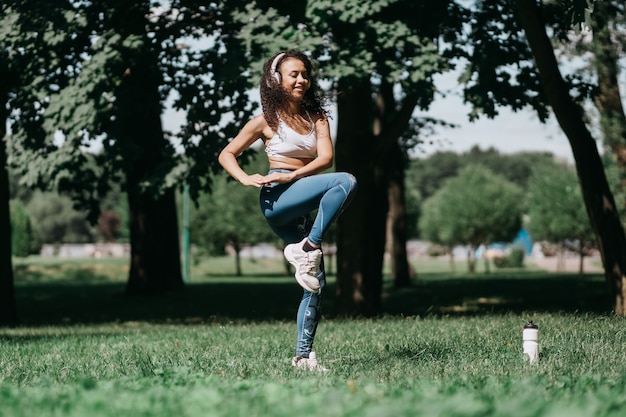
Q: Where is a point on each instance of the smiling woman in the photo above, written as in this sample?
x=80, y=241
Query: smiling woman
x=295, y=131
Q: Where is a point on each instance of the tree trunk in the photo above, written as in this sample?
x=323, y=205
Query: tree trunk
x=154, y=236
x=560, y=258
x=155, y=250
x=401, y=273
x=8, y=308
x=361, y=228
x=390, y=122
x=238, y=270
x=452, y=260
x=581, y=260
x=471, y=260
x=597, y=195
x=608, y=101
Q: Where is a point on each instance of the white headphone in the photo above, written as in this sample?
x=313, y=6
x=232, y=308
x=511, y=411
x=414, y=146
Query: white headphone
x=273, y=69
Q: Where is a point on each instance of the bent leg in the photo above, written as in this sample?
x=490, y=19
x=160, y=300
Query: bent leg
x=326, y=193
x=332, y=203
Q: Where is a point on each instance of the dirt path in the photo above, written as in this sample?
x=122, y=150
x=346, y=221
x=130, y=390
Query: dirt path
x=590, y=265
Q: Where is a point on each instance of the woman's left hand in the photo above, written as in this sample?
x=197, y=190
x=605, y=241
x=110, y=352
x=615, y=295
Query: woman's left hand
x=279, y=177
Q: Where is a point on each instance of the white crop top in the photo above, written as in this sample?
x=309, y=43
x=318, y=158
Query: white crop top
x=286, y=142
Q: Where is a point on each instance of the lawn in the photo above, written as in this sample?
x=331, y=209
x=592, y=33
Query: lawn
x=449, y=345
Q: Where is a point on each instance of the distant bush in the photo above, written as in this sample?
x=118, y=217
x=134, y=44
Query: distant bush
x=23, y=238
x=515, y=259
x=436, y=250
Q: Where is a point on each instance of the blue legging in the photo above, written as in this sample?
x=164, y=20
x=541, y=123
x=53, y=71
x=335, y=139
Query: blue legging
x=288, y=208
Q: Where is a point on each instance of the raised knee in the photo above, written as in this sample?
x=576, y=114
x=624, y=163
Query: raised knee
x=350, y=181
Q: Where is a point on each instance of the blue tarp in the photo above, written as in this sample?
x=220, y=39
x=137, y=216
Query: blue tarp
x=524, y=241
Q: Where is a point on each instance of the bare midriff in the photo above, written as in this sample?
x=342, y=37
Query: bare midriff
x=288, y=163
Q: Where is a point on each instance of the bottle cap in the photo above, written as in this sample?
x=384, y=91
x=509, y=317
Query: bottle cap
x=531, y=325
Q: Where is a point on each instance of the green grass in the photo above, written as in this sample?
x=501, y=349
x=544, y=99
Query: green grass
x=449, y=345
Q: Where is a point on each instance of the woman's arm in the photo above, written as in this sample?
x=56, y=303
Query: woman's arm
x=251, y=132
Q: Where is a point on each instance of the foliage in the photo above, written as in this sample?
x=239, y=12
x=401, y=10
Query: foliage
x=24, y=240
x=425, y=176
x=556, y=208
x=613, y=174
x=498, y=65
x=516, y=167
x=39, y=44
x=230, y=215
x=433, y=224
x=115, y=203
x=475, y=207
x=109, y=226
x=99, y=105
x=70, y=224
x=499, y=68
x=56, y=221
x=428, y=174
x=104, y=41
x=514, y=259
x=371, y=45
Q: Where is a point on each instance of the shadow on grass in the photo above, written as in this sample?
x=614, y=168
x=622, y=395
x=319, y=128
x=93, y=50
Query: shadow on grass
x=267, y=299
x=501, y=293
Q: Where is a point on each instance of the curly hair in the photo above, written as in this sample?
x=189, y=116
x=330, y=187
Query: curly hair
x=274, y=97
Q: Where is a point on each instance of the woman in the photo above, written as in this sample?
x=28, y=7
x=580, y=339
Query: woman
x=294, y=128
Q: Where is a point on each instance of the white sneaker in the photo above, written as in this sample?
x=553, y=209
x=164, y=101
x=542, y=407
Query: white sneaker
x=307, y=265
x=309, y=364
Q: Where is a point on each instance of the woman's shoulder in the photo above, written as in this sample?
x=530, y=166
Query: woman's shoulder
x=259, y=125
x=258, y=120
x=319, y=117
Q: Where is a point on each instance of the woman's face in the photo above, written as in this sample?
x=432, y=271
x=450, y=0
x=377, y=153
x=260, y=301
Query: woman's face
x=294, y=77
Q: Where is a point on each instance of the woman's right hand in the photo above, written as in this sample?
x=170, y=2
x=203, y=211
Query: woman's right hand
x=254, y=180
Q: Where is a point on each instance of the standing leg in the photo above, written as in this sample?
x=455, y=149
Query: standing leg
x=308, y=317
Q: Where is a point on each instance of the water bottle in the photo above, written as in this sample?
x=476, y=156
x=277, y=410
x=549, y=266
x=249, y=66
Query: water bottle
x=530, y=337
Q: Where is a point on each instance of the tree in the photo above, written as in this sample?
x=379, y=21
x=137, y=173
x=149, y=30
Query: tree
x=56, y=221
x=556, y=208
x=517, y=168
x=429, y=174
x=607, y=24
x=477, y=207
x=127, y=58
x=8, y=308
x=434, y=227
x=24, y=240
x=512, y=63
x=613, y=174
x=426, y=175
x=21, y=55
x=597, y=195
x=394, y=54
x=601, y=45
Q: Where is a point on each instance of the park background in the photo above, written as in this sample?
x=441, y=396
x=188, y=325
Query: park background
x=209, y=332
